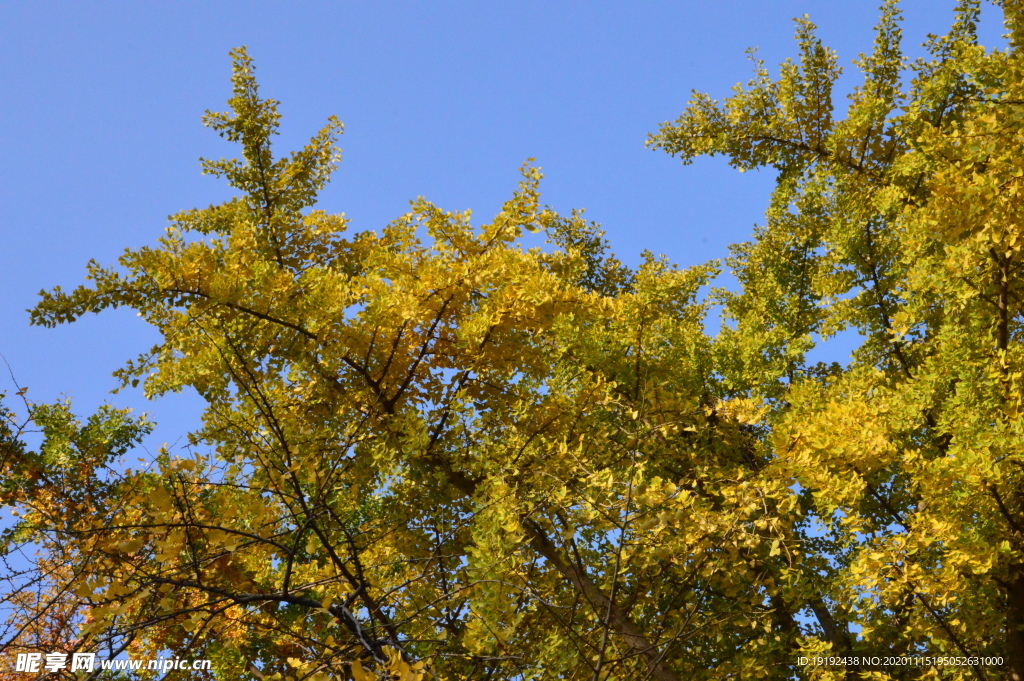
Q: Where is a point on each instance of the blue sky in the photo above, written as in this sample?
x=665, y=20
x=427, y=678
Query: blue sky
x=100, y=130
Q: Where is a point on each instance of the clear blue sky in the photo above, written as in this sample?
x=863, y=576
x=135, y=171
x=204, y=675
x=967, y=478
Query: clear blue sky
x=100, y=132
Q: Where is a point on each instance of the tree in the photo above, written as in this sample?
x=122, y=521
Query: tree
x=899, y=222
x=449, y=456
x=430, y=453
x=66, y=478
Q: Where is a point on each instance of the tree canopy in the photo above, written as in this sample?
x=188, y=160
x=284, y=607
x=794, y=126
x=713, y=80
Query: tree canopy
x=433, y=453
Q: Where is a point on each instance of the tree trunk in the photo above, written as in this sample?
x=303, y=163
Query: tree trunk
x=1015, y=625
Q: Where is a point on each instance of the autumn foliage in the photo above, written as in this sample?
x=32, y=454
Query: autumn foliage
x=431, y=453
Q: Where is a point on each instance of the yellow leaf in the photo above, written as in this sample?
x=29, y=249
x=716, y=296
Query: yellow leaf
x=358, y=673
